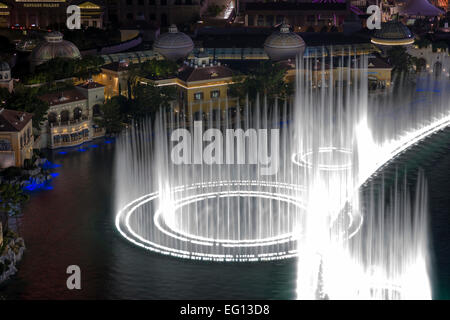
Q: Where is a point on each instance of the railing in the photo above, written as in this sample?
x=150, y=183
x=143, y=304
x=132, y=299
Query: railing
x=69, y=122
x=70, y=143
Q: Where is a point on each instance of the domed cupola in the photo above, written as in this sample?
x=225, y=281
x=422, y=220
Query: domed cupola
x=54, y=46
x=393, y=33
x=284, y=44
x=173, y=45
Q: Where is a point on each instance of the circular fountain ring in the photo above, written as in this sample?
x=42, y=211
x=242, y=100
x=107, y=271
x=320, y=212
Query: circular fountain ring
x=166, y=238
x=304, y=160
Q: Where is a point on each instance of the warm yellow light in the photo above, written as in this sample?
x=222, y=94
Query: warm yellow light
x=392, y=42
x=88, y=5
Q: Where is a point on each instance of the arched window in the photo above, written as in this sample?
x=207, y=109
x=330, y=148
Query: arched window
x=77, y=113
x=64, y=116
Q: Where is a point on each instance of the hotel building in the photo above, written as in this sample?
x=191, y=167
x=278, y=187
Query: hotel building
x=42, y=13
x=70, y=116
x=16, y=137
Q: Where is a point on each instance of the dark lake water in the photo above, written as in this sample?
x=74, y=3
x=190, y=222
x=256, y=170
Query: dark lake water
x=73, y=224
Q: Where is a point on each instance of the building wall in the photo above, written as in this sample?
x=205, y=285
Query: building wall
x=74, y=131
x=383, y=76
x=439, y=60
x=94, y=96
x=40, y=13
x=113, y=82
x=21, y=147
x=6, y=80
x=188, y=92
x=160, y=12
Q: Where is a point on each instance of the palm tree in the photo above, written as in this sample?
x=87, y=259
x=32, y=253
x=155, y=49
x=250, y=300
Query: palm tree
x=11, y=199
x=267, y=79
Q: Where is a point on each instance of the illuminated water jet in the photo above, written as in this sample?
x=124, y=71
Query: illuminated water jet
x=310, y=208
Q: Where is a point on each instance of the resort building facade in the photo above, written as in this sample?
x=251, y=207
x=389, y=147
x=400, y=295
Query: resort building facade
x=114, y=78
x=70, y=116
x=43, y=13
x=16, y=137
x=302, y=16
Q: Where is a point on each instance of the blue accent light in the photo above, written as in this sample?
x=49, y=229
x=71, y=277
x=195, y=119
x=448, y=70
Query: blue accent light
x=49, y=165
x=37, y=186
x=62, y=152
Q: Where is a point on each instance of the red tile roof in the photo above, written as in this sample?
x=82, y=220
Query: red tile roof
x=116, y=66
x=189, y=73
x=378, y=63
x=54, y=99
x=12, y=120
x=90, y=85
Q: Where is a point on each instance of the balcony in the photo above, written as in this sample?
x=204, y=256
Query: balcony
x=69, y=123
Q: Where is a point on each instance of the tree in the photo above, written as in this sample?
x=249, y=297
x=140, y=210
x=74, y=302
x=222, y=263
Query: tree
x=400, y=59
x=149, y=98
x=61, y=68
x=442, y=45
x=4, y=96
x=422, y=43
x=11, y=199
x=158, y=69
x=112, y=119
x=214, y=10
x=25, y=100
x=267, y=79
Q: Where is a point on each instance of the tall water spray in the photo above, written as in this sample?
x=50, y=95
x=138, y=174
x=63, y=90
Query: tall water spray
x=221, y=189
x=341, y=145
x=241, y=185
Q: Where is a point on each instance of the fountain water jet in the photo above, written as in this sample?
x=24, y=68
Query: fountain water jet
x=309, y=209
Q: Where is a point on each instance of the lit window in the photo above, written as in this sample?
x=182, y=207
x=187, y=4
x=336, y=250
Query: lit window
x=215, y=94
x=198, y=96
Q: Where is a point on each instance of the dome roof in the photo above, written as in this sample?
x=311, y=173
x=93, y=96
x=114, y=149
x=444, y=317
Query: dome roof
x=54, y=46
x=4, y=66
x=284, y=44
x=173, y=44
x=393, y=33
